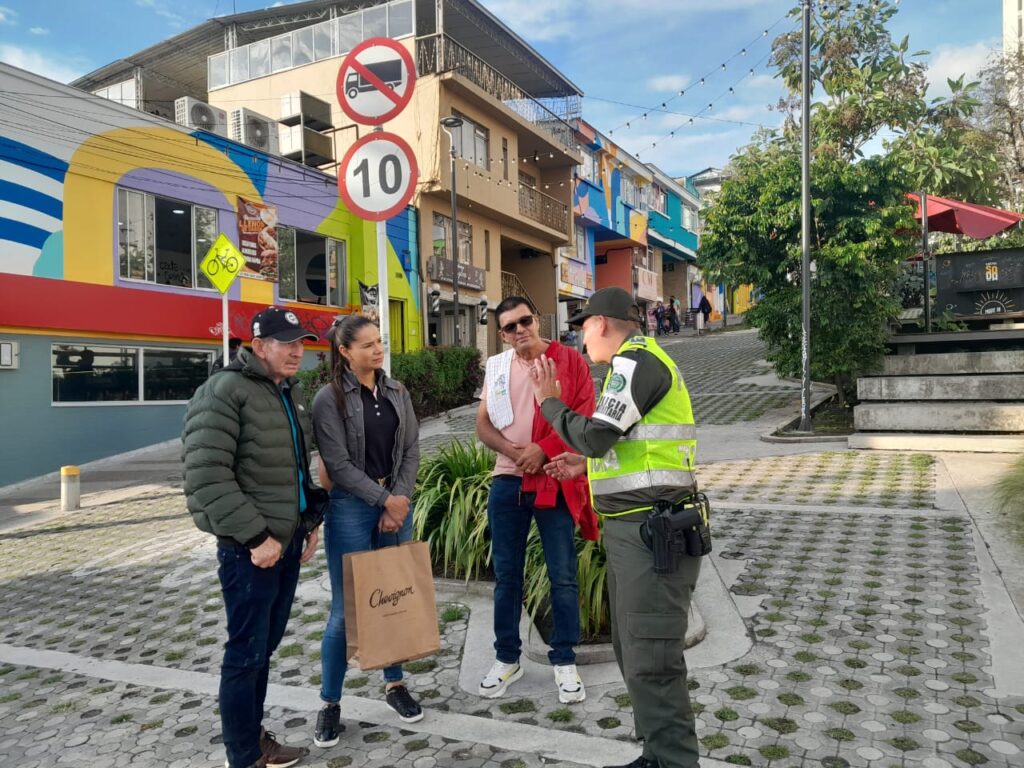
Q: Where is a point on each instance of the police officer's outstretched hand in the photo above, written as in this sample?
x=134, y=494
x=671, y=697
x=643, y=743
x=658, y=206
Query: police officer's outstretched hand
x=544, y=375
x=566, y=466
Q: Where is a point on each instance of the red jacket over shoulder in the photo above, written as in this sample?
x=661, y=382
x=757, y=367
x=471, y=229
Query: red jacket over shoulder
x=578, y=394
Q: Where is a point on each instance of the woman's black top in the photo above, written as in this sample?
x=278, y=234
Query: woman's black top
x=380, y=425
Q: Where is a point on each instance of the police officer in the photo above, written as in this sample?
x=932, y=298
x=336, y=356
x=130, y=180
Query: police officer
x=640, y=447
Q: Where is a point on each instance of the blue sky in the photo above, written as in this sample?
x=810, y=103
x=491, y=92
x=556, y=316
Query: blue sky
x=620, y=52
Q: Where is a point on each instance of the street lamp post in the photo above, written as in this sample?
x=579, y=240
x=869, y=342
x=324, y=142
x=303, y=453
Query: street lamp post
x=448, y=124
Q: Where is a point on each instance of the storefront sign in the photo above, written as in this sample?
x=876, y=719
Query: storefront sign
x=646, y=284
x=469, y=276
x=257, y=239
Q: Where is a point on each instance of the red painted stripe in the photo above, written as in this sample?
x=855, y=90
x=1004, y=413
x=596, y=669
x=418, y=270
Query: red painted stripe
x=41, y=303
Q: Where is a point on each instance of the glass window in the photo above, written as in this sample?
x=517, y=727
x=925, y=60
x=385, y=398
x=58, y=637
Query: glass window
x=336, y=271
x=259, y=59
x=400, y=19
x=281, y=53
x=442, y=236
x=174, y=243
x=206, y=230
x=472, y=142
x=239, y=64
x=302, y=46
x=217, y=71
x=134, y=225
x=350, y=32
x=658, y=199
x=94, y=373
x=286, y=262
x=128, y=97
x=323, y=40
x=312, y=268
x=375, y=22
x=171, y=374
x=160, y=240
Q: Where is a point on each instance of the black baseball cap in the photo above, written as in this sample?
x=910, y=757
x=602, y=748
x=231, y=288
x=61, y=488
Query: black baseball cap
x=608, y=302
x=279, y=324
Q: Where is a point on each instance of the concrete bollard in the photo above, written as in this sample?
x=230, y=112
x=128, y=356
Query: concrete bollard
x=70, y=488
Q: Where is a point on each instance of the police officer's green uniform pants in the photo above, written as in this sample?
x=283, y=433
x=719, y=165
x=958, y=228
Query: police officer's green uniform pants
x=649, y=618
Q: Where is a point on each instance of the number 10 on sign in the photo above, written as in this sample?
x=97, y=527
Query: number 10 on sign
x=378, y=176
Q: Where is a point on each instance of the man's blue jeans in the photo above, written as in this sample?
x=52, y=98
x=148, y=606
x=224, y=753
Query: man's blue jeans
x=350, y=525
x=509, y=513
x=257, y=602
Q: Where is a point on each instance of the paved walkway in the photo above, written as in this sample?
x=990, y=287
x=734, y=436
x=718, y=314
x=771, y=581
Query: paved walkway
x=863, y=609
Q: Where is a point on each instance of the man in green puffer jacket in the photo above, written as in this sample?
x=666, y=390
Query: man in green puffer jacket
x=246, y=461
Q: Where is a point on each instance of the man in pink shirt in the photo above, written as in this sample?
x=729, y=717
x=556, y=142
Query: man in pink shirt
x=507, y=422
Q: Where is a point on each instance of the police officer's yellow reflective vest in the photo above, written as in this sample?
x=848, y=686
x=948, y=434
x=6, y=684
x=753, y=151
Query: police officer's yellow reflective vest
x=654, y=460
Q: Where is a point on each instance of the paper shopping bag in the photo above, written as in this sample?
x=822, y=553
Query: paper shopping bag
x=390, y=614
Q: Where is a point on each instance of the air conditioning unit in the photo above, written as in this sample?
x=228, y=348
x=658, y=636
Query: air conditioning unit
x=254, y=130
x=193, y=113
x=305, y=145
x=299, y=107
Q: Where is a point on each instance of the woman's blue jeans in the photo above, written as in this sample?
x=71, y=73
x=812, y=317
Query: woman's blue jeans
x=509, y=513
x=350, y=525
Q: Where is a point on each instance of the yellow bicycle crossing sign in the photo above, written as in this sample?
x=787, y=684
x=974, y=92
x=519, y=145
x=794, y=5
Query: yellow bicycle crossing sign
x=222, y=264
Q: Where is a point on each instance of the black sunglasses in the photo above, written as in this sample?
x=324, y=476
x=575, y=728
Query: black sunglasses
x=525, y=321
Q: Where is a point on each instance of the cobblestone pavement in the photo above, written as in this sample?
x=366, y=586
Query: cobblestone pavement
x=870, y=648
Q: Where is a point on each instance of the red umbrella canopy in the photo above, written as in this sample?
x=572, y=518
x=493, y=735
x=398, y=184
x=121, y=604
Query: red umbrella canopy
x=977, y=221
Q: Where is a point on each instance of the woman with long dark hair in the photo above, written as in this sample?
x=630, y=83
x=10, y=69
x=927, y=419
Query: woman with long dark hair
x=368, y=438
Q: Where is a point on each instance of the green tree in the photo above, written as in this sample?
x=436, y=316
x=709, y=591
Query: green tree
x=862, y=228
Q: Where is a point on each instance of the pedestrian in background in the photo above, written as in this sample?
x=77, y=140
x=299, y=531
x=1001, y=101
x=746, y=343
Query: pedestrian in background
x=246, y=467
x=234, y=344
x=368, y=437
x=705, y=309
x=659, y=317
x=508, y=422
x=641, y=448
x=672, y=315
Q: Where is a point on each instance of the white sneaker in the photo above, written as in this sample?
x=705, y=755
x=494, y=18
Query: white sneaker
x=500, y=677
x=570, y=686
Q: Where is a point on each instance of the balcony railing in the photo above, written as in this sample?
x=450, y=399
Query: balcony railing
x=440, y=53
x=542, y=208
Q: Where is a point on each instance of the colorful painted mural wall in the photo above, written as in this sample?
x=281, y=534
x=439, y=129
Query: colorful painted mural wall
x=65, y=155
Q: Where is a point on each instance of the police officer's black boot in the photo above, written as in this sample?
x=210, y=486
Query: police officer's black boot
x=640, y=762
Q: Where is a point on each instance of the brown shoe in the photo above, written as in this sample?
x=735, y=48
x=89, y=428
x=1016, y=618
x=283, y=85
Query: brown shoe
x=278, y=755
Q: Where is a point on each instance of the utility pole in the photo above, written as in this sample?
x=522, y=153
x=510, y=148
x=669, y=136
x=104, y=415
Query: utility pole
x=805, y=215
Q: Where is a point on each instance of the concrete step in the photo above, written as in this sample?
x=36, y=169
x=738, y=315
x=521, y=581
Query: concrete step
x=910, y=441
x=1007, y=386
x=973, y=416
x=954, y=363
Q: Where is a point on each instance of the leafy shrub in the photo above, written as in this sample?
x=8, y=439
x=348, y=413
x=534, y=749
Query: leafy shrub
x=451, y=507
x=438, y=378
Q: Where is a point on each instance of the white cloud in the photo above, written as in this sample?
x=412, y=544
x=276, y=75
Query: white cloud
x=537, y=21
x=49, y=65
x=668, y=83
x=7, y=16
x=159, y=10
x=39, y=31
x=951, y=61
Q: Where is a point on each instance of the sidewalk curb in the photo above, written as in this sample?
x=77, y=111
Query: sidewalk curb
x=825, y=393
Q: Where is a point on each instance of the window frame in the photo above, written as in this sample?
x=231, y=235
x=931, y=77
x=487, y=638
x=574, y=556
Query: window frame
x=150, y=239
x=139, y=354
x=340, y=271
x=465, y=241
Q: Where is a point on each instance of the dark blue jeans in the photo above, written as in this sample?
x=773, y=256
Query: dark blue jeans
x=349, y=526
x=509, y=513
x=257, y=601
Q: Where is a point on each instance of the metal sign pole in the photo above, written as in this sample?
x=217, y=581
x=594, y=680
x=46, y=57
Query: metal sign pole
x=926, y=258
x=383, y=302
x=224, y=325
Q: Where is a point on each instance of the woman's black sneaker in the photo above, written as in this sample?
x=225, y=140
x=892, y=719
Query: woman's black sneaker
x=328, y=726
x=400, y=700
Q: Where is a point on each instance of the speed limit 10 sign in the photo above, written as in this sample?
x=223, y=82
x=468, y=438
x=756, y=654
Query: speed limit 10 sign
x=378, y=176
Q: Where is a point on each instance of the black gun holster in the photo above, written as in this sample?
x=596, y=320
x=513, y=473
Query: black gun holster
x=674, y=530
